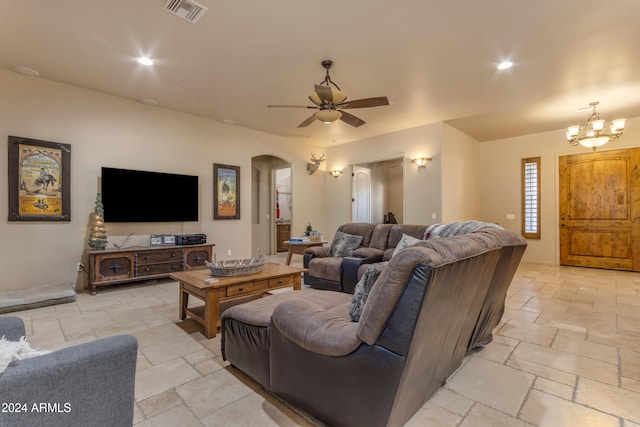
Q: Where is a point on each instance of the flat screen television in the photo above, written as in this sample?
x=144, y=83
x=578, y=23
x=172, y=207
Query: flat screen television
x=142, y=196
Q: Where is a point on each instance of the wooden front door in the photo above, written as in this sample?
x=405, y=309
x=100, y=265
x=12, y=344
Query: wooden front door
x=600, y=209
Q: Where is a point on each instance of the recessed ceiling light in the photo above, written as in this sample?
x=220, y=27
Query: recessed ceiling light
x=145, y=61
x=504, y=65
x=149, y=101
x=26, y=71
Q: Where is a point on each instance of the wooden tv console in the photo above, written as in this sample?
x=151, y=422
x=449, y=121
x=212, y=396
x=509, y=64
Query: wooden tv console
x=113, y=266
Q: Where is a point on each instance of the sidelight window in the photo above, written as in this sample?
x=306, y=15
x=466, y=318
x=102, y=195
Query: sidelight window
x=531, y=198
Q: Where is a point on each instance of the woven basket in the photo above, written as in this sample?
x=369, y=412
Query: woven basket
x=236, y=267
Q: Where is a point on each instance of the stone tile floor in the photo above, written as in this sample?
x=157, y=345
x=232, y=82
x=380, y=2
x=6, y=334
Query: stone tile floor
x=567, y=353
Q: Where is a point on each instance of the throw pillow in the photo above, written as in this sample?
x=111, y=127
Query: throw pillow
x=343, y=244
x=405, y=242
x=16, y=350
x=362, y=289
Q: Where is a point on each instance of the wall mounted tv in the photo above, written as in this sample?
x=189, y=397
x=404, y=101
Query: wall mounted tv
x=141, y=196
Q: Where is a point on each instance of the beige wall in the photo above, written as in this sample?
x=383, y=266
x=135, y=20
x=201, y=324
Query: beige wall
x=500, y=192
x=460, y=171
x=109, y=131
x=422, y=187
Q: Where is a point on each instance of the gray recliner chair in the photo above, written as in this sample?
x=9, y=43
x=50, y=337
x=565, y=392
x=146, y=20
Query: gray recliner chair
x=90, y=384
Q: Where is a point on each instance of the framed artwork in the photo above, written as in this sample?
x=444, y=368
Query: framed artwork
x=39, y=180
x=226, y=192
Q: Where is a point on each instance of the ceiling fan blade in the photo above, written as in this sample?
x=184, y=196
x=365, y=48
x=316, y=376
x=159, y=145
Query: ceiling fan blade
x=324, y=93
x=351, y=119
x=364, y=103
x=307, y=122
x=290, y=106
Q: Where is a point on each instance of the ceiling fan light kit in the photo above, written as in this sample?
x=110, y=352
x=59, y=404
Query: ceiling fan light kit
x=596, y=132
x=328, y=116
x=331, y=101
x=336, y=95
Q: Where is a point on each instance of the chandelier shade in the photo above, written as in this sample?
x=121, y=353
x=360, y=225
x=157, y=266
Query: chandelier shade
x=596, y=132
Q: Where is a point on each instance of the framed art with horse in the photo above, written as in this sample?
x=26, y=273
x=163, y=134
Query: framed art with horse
x=39, y=175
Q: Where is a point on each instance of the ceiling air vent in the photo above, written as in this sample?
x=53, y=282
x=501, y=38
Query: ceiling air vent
x=186, y=9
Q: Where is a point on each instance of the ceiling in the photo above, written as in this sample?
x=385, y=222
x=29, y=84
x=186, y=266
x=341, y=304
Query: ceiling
x=434, y=59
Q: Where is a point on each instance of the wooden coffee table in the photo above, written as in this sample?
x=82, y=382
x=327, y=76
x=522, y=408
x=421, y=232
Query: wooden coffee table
x=300, y=247
x=227, y=289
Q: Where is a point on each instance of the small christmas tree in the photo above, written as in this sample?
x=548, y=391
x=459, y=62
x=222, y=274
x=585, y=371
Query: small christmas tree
x=98, y=233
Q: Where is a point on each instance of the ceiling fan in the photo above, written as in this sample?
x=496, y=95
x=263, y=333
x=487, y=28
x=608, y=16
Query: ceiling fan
x=331, y=102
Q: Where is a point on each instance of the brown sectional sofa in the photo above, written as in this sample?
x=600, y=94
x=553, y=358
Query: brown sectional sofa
x=432, y=303
x=341, y=274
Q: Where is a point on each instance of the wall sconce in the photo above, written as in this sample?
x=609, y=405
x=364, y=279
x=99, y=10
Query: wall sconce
x=422, y=161
x=335, y=173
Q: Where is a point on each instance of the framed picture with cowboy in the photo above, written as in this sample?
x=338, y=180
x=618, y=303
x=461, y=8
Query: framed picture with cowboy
x=39, y=175
x=226, y=192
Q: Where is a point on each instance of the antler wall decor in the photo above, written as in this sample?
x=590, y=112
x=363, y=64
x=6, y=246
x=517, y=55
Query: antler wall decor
x=315, y=163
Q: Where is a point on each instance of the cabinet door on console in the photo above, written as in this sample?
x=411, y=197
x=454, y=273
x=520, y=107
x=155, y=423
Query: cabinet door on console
x=113, y=267
x=195, y=257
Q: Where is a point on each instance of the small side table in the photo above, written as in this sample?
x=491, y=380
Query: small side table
x=298, y=248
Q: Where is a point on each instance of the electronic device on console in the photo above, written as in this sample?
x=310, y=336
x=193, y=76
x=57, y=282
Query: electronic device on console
x=191, y=239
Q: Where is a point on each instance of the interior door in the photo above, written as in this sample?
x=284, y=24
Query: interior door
x=361, y=194
x=600, y=209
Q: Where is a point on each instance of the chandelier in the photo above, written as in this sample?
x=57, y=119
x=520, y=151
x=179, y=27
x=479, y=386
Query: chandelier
x=596, y=132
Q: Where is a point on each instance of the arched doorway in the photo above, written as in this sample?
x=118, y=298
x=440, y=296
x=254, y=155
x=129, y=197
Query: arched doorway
x=268, y=174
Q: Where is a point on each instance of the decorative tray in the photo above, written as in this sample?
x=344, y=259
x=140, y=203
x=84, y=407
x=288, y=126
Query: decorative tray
x=236, y=267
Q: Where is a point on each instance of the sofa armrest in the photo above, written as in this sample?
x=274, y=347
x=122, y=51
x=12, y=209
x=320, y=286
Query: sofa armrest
x=317, y=251
x=372, y=253
x=12, y=328
x=87, y=384
x=314, y=328
x=314, y=252
x=350, y=267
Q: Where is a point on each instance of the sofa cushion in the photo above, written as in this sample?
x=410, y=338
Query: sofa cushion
x=399, y=230
x=362, y=289
x=343, y=244
x=327, y=268
x=363, y=229
x=396, y=233
x=258, y=312
x=380, y=236
x=405, y=242
x=316, y=329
